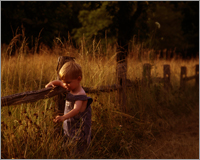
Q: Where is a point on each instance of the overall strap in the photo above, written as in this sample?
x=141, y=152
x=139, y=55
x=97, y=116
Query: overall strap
x=71, y=97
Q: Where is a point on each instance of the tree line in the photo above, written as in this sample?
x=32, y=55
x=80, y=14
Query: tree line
x=156, y=24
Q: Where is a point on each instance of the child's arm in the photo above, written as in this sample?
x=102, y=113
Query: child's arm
x=55, y=83
x=72, y=113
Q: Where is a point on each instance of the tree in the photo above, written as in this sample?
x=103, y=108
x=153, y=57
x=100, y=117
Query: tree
x=178, y=25
x=53, y=18
x=190, y=26
x=164, y=22
x=93, y=21
x=117, y=18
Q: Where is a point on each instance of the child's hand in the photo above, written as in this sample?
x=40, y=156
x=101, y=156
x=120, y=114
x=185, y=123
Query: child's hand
x=50, y=84
x=56, y=83
x=64, y=85
x=59, y=119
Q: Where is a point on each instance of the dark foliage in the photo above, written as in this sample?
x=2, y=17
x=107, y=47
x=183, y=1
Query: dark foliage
x=121, y=21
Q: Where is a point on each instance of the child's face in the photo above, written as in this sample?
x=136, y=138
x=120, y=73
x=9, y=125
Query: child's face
x=72, y=84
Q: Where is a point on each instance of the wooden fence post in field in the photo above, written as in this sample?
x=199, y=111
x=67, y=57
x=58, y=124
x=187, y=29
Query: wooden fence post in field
x=183, y=76
x=146, y=75
x=61, y=97
x=121, y=71
x=197, y=74
x=166, y=76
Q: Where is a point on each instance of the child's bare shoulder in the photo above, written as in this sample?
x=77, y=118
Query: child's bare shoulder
x=81, y=92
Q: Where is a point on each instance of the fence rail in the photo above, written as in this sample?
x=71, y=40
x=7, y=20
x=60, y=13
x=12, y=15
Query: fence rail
x=167, y=74
x=33, y=96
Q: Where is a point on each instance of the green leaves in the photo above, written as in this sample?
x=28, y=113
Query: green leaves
x=93, y=22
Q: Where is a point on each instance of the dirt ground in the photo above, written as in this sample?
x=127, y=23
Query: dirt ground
x=179, y=142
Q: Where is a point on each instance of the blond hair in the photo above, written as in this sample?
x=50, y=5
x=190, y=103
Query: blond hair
x=70, y=70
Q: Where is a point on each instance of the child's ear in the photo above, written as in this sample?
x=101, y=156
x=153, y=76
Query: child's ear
x=79, y=78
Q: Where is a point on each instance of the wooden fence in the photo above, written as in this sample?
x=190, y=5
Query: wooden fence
x=184, y=78
x=33, y=96
x=122, y=84
x=167, y=76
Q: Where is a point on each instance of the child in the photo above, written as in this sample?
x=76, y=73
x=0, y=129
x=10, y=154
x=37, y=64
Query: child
x=77, y=113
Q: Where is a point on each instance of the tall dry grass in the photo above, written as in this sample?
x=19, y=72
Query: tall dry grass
x=27, y=130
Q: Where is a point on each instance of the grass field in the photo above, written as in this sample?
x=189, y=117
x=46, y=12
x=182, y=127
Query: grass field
x=158, y=123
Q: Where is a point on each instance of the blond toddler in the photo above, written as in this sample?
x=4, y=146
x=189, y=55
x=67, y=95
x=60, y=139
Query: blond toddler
x=77, y=113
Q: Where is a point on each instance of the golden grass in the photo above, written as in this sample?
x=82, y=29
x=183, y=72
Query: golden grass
x=28, y=130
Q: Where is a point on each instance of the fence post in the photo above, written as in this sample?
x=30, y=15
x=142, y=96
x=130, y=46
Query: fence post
x=61, y=102
x=146, y=76
x=197, y=75
x=60, y=99
x=121, y=71
x=166, y=72
x=183, y=76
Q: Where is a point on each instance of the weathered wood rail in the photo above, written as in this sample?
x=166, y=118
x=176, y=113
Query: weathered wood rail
x=33, y=96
